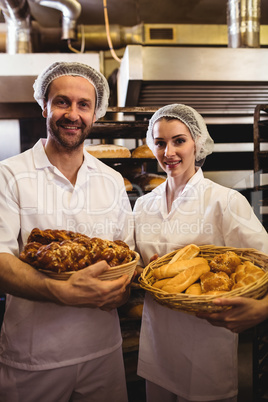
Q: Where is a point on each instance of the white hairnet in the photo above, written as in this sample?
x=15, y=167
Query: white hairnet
x=192, y=119
x=59, y=69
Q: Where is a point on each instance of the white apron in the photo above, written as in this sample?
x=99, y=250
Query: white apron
x=178, y=351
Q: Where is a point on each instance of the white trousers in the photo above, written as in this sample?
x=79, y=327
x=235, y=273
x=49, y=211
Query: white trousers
x=98, y=380
x=155, y=393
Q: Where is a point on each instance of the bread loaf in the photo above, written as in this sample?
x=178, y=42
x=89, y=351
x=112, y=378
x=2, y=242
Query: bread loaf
x=161, y=283
x=148, y=181
x=142, y=152
x=135, y=311
x=45, y=249
x=226, y=262
x=127, y=184
x=186, y=278
x=186, y=253
x=108, y=151
x=246, y=273
x=170, y=270
x=194, y=289
x=215, y=281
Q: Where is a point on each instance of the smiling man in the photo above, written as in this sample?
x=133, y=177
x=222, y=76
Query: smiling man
x=61, y=340
x=70, y=111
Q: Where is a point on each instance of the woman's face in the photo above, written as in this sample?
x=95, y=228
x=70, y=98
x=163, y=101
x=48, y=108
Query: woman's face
x=174, y=148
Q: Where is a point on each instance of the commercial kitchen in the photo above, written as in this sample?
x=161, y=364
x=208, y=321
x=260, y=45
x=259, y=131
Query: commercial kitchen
x=211, y=55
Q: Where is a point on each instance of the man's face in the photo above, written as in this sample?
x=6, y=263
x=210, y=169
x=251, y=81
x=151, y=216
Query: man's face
x=70, y=110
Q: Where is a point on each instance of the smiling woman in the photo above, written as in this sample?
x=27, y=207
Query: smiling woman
x=174, y=148
x=188, y=209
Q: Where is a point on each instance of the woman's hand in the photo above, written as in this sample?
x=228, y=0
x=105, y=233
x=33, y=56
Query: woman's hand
x=243, y=314
x=154, y=257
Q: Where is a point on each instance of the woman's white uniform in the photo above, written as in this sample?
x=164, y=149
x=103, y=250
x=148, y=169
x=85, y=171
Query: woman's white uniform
x=178, y=351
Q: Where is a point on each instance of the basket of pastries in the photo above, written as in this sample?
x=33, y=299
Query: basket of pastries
x=60, y=253
x=190, y=278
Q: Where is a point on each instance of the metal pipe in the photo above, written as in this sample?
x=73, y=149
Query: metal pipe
x=71, y=10
x=250, y=23
x=233, y=23
x=17, y=16
x=243, y=20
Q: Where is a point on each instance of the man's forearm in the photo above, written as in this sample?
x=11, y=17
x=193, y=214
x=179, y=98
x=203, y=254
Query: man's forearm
x=20, y=279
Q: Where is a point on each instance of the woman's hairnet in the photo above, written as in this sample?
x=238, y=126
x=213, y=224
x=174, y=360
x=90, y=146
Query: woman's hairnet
x=59, y=69
x=192, y=119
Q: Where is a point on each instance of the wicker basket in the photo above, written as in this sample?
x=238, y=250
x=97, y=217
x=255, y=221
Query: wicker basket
x=112, y=273
x=192, y=303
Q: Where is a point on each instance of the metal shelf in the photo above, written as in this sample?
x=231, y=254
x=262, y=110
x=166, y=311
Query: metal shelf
x=260, y=134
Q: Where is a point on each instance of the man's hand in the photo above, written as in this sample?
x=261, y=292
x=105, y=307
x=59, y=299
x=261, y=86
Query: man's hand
x=84, y=289
x=243, y=314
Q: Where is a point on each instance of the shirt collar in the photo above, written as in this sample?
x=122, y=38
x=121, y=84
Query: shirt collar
x=160, y=190
x=41, y=160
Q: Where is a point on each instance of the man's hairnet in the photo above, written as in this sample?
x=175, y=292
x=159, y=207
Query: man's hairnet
x=59, y=69
x=192, y=119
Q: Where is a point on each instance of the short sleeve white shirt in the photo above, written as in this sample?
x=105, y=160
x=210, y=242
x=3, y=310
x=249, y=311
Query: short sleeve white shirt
x=34, y=193
x=179, y=351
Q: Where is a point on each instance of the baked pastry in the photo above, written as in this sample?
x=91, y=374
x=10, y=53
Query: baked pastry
x=170, y=270
x=128, y=184
x=108, y=151
x=185, y=253
x=142, y=151
x=149, y=181
x=49, y=235
x=194, y=289
x=246, y=273
x=46, y=250
x=215, y=281
x=159, y=284
x=226, y=262
x=185, y=278
x=133, y=307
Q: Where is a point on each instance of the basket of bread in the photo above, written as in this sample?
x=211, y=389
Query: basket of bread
x=190, y=278
x=60, y=253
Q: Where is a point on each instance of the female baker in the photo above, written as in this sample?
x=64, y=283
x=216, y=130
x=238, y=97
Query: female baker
x=183, y=357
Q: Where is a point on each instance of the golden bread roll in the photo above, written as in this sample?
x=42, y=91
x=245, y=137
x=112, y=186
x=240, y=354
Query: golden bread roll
x=108, y=151
x=142, y=152
x=170, y=270
x=186, y=278
x=127, y=184
x=246, y=273
x=226, y=262
x=149, y=181
x=45, y=249
x=135, y=311
x=194, y=289
x=159, y=284
x=186, y=253
x=213, y=281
